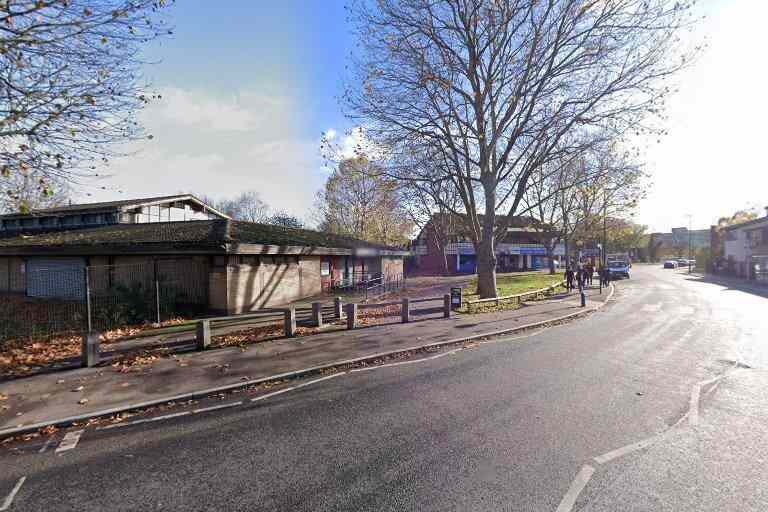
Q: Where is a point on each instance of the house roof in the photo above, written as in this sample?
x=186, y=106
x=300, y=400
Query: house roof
x=458, y=227
x=204, y=236
x=123, y=204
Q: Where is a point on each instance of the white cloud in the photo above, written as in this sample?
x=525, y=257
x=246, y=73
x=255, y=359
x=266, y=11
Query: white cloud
x=219, y=146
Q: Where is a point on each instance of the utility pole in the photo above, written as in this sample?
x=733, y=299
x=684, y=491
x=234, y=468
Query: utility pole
x=690, y=242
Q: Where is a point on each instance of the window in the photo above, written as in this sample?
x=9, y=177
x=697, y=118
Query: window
x=325, y=268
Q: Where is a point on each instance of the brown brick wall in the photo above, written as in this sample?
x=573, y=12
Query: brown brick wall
x=255, y=282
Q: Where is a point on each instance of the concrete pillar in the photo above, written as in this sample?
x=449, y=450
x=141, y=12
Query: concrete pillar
x=351, y=315
x=405, y=310
x=203, y=334
x=337, y=308
x=89, y=349
x=290, y=322
x=446, y=306
x=317, y=314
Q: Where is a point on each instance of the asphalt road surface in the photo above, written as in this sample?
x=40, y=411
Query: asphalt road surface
x=657, y=402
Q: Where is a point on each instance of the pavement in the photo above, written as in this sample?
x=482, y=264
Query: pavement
x=654, y=403
x=53, y=396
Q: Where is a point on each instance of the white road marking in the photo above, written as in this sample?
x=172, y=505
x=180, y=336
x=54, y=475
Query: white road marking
x=625, y=450
x=332, y=376
x=148, y=420
x=651, y=308
x=281, y=391
x=693, y=411
x=578, y=484
x=46, y=444
x=9, y=499
x=70, y=441
x=274, y=393
x=400, y=363
x=217, y=407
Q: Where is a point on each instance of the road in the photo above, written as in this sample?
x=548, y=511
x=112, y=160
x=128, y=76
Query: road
x=656, y=402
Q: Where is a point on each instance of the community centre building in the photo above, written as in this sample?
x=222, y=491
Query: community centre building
x=232, y=266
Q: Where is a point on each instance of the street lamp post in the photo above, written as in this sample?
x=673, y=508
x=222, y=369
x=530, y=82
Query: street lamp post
x=690, y=242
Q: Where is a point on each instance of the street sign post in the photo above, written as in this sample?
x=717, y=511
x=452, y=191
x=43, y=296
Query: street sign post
x=455, y=298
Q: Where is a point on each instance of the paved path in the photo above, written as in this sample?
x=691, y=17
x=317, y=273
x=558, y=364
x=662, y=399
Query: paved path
x=50, y=396
x=655, y=403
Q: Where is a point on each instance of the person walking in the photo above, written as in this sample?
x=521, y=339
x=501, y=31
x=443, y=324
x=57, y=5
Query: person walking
x=568, y=278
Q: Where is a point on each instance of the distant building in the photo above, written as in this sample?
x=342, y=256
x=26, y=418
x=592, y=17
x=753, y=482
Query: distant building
x=746, y=249
x=178, y=208
x=519, y=250
x=675, y=244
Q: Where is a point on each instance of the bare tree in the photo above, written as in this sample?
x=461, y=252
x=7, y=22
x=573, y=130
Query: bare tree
x=493, y=90
x=285, y=219
x=71, y=82
x=29, y=191
x=247, y=206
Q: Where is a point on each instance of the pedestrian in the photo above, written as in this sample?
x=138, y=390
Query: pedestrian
x=588, y=268
x=568, y=278
x=581, y=277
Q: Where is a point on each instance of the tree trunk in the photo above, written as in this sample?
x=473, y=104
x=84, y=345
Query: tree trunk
x=486, y=269
x=550, y=256
x=486, y=256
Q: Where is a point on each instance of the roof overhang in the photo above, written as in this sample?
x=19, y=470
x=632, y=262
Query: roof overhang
x=209, y=249
x=112, y=250
x=187, y=197
x=240, y=248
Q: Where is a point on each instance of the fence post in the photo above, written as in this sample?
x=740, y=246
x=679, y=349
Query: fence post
x=337, y=303
x=290, y=322
x=89, y=321
x=203, y=336
x=446, y=306
x=405, y=310
x=157, y=293
x=89, y=349
x=317, y=314
x=351, y=315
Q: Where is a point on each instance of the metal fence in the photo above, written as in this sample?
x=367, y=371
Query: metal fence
x=64, y=301
x=383, y=285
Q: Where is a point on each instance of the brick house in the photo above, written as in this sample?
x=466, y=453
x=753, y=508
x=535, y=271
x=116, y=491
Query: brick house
x=746, y=249
x=228, y=266
x=519, y=250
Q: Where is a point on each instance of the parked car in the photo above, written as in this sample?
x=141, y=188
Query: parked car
x=617, y=269
x=670, y=264
x=682, y=262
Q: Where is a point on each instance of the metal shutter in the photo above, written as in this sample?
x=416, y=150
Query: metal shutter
x=62, y=278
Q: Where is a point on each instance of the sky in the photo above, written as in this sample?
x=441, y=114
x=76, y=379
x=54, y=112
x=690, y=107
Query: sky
x=247, y=92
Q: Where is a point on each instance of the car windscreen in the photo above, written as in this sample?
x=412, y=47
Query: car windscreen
x=616, y=264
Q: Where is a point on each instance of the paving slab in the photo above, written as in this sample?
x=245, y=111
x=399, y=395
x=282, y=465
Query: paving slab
x=52, y=396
